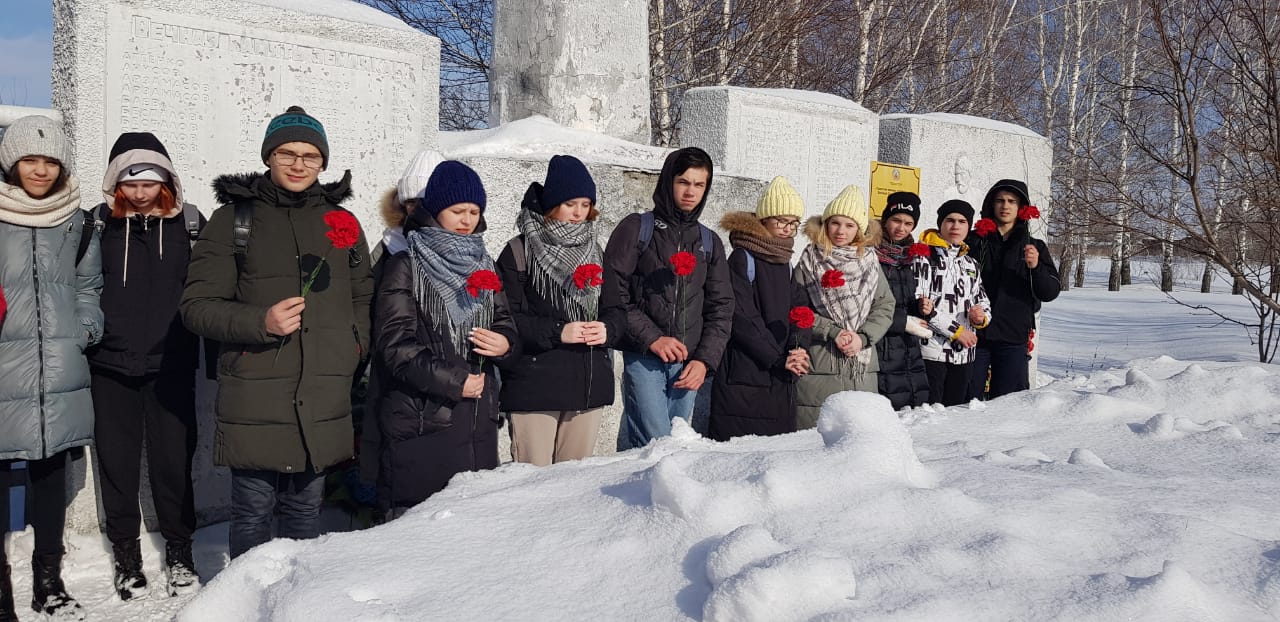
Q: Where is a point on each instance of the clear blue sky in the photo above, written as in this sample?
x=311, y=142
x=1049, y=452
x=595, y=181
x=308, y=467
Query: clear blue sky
x=26, y=45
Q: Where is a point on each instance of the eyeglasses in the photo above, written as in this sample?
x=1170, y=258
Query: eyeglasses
x=785, y=225
x=288, y=158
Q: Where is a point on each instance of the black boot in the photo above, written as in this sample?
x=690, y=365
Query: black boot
x=48, y=595
x=180, y=569
x=7, y=612
x=129, y=581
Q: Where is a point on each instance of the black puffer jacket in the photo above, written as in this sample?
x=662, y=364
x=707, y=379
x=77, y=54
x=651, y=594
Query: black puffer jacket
x=550, y=375
x=1015, y=290
x=642, y=287
x=144, y=333
x=902, y=374
x=430, y=433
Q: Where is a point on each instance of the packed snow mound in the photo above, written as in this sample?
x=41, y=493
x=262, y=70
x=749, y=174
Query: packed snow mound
x=1076, y=512
x=538, y=137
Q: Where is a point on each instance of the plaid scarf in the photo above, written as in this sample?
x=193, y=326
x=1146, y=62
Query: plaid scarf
x=847, y=305
x=442, y=262
x=554, y=249
x=895, y=253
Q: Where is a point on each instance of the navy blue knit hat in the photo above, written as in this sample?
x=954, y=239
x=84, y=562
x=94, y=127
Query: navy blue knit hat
x=567, y=179
x=452, y=182
x=295, y=126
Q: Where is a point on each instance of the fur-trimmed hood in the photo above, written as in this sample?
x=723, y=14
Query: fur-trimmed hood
x=233, y=187
x=392, y=211
x=745, y=223
x=813, y=229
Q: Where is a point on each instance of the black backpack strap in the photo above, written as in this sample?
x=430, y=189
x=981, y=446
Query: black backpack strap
x=707, y=244
x=646, y=230
x=94, y=220
x=191, y=216
x=241, y=228
x=518, y=253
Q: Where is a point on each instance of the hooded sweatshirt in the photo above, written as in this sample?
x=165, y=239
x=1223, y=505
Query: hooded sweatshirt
x=698, y=308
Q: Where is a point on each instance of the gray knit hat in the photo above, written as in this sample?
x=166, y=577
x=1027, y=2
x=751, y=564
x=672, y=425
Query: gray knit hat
x=34, y=135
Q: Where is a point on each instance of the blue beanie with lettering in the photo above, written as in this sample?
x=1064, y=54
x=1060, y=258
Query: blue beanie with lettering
x=295, y=126
x=452, y=182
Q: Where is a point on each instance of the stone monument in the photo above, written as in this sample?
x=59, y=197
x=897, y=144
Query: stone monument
x=206, y=76
x=820, y=142
x=583, y=64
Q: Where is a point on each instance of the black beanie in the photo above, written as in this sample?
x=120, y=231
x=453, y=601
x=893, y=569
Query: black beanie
x=901, y=203
x=955, y=206
x=129, y=141
x=567, y=179
x=452, y=182
x=295, y=126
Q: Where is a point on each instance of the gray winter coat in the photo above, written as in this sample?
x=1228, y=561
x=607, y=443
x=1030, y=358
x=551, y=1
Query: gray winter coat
x=52, y=317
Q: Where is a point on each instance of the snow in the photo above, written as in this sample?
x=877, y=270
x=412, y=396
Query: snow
x=1131, y=486
x=972, y=121
x=539, y=138
x=811, y=97
x=341, y=9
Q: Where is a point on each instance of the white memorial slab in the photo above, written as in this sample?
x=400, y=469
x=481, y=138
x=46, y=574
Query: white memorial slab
x=206, y=76
x=820, y=142
x=582, y=63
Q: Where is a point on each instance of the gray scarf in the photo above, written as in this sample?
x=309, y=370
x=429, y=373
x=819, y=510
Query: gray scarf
x=850, y=304
x=554, y=250
x=442, y=262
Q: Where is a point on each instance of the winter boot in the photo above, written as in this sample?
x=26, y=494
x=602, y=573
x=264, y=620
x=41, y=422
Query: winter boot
x=180, y=569
x=48, y=595
x=7, y=612
x=130, y=582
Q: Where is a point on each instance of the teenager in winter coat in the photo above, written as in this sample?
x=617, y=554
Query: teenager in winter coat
x=676, y=326
x=947, y=280
x=755, y=391
x=558, y=388
x=1019, y=274
x=397, y=203
x=902, y=375
x=53, y=315
x=144, y=368
x=441, y=329
x=841, y=275
x=286, y=361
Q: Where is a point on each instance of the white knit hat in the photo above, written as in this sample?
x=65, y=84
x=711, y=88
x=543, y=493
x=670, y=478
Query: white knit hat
x=33, y=136
x=415, y=177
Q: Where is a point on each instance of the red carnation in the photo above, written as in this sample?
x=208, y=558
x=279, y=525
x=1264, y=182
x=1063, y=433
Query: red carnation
x=1031, y=341
x=588, y=275
x=344, y=229
x=832, y=278
x=483, y=280
x=683, y=263
x=3, y=305
x=984, y=227
x=1028, y=212
x=802, y=317
x=919, y=249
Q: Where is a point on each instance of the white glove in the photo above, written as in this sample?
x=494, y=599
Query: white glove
x=918, y=327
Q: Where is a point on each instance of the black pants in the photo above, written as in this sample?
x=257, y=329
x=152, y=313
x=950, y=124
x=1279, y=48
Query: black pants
x=1009, y=373
x=48, y=492
x=948, y=383
x=160, y=408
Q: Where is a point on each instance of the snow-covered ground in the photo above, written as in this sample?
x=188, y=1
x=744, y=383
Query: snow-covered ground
x=1131, y=486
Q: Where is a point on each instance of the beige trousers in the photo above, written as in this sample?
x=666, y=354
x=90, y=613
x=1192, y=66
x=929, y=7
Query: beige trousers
x=542, y=438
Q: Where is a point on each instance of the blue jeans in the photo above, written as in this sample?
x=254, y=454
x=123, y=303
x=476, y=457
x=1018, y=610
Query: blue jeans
x=648, y=401
x=254, y=496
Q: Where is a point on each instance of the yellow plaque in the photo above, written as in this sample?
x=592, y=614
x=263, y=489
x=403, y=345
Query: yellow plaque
x=887, y=179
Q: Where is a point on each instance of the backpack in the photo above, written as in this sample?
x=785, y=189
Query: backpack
x=96, y=221
x=647, y=223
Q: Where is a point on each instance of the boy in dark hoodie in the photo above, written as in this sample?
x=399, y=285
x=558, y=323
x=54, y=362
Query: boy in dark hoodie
x=1018, y=274
x=286, y=362
x=677, y=326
